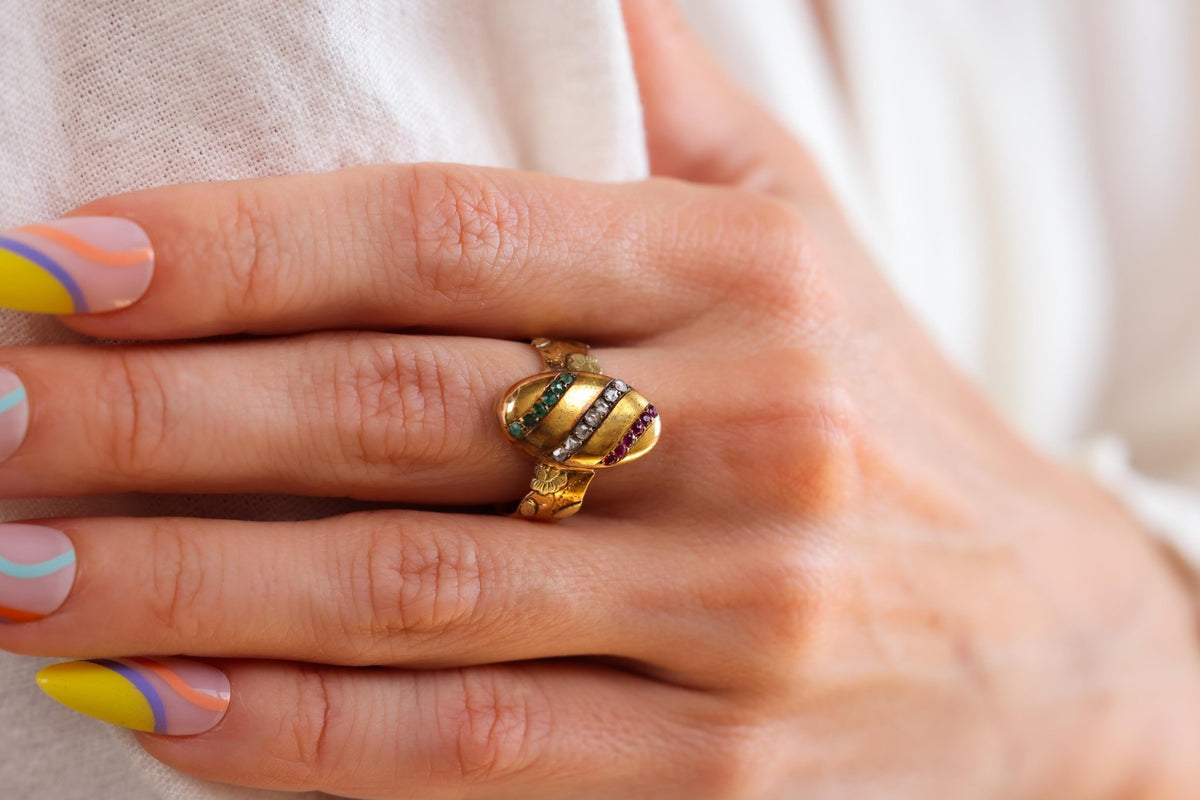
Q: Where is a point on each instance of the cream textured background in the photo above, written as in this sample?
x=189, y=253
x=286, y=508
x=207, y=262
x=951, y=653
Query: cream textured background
x=1026, y=172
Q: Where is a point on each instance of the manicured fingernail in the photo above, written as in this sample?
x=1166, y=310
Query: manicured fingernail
x=37, y=568
x=157, y=695
x=75, y=265
x=14, y=413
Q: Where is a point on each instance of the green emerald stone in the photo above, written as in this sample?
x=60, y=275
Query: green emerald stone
x=541, y=409
x=515, y=430
x=529, y=420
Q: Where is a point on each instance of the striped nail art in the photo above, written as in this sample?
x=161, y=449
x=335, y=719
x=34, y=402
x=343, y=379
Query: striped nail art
x=173, y=696
x=76, y=265
x=14, y=413
x=37, y=568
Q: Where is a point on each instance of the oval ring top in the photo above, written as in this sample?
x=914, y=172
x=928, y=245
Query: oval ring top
x=579, y=419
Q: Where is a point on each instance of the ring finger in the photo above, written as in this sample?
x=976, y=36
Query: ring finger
x=408, y=588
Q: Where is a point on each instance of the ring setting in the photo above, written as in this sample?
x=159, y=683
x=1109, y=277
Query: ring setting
x=574, y=420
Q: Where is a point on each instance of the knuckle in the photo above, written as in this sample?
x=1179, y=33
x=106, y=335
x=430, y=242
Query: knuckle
x=468, y=232
x=419, y=585
x=775, y=258
x=249, y=249
x=135, y=430
x=809, y=434
x=304, y=742
x=822, y=437
x=489, y=728
x=402, y=402
x=180, y=580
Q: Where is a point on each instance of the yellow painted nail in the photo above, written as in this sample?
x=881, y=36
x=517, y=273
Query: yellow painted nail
x=75, y=265
x=173, y=696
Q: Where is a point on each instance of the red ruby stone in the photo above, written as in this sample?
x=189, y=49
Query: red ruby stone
x=629, y=440
x=620, y=451
x=638, y=428
x=610, y=459
x=651, y=411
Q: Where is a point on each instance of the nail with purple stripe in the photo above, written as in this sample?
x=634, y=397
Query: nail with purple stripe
x=171, y=696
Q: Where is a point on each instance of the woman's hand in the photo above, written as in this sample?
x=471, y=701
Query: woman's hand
x=839, y=575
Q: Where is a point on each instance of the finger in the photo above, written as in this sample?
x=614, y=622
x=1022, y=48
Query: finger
x=395, y=588
x=369, y=416
x=430, y=247
x=700, y=126
x=531, y=731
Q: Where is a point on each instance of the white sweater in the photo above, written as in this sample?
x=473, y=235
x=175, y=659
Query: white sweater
x=1028, y=172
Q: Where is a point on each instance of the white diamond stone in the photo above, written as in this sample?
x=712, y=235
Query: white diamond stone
x=583, y=430
x=572, y=444
x=593, y=418
x=602, y=406
x=561, y=454
x=612, y=394
x=620, y=386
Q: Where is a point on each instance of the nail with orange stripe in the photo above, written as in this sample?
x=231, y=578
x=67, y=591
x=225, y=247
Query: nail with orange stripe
x=37, y=568
x=75, y=265
x=172, y=696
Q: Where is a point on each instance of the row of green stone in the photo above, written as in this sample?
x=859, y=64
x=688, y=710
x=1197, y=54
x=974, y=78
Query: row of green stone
x=550, y=397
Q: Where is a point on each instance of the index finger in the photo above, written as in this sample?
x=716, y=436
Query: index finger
x=418, y=247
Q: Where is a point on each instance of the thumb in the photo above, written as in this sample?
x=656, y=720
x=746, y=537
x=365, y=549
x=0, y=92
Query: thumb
x=699, y=125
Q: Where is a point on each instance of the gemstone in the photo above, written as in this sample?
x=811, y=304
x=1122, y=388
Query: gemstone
x=515, y=430
x=612, y=394
x=560, y=454
x=567, y=378
x=541, y=409
x=629, y=440
x=529, y=420
x=620, y=451
x=652, y=411
x=638, y=428
x=602, y=406
x=610, y=459
x=572, y=444
x=593, y=418
x=583, y=430
x=620, y=386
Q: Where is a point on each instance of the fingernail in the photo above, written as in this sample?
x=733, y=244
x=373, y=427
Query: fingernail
x=173, y=696
x=75, y=265
x=37, y=568
x=14, y=413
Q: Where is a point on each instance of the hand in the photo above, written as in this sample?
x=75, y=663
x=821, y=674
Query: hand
x=839, y=575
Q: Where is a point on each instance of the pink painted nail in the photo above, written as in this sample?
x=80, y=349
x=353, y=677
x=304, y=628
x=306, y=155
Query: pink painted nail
x=75, y=265
x=14, y=413
x=37, y=568
x=173, y=696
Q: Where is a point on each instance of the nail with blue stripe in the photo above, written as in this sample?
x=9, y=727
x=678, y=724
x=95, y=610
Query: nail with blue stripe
x=37, y=570
x=14, y=413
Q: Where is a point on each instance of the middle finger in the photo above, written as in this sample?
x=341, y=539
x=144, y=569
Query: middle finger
x=369, y=416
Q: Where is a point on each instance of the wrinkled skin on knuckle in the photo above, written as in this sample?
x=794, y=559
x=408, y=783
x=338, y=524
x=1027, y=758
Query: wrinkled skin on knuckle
x=403, y=403
x=470, y=234
x=305, y=752
x=184, y=591
x=488, y=729
x=247, y=246
x=416, y=585
x=137, y=423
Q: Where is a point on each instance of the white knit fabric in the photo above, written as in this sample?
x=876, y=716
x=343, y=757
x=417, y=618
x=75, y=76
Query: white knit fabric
x=989, y=152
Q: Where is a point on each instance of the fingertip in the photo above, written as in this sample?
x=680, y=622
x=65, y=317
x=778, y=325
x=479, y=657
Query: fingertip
x=75, y=265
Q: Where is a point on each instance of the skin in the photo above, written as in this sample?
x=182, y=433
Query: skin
x=839, y=575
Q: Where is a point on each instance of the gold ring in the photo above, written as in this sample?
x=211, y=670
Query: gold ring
x=574, y=420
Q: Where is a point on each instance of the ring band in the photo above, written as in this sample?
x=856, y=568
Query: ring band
x=574, y=420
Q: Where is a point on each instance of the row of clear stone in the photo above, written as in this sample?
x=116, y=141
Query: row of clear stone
x=592, y=419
